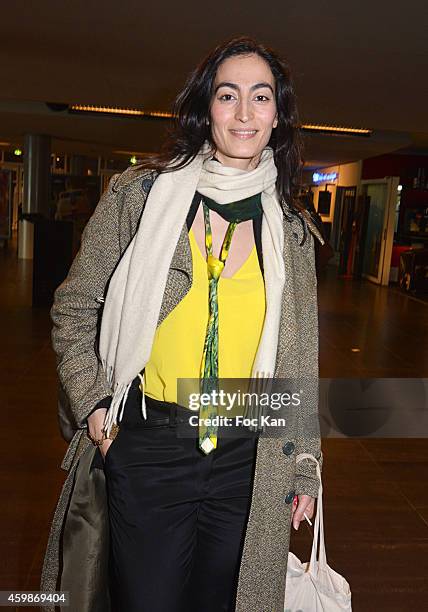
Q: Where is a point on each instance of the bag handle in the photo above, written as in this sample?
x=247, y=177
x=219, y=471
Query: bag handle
x=319, y=521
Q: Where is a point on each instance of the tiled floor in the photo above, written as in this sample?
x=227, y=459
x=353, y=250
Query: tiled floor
x=389, y=329
x=375, y=490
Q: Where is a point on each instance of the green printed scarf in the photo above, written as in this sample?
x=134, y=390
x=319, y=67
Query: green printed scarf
x=234, y=212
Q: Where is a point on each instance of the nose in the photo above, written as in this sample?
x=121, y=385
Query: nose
x=243, y=111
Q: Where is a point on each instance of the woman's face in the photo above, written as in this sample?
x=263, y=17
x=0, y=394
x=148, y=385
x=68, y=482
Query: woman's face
x=243, y=110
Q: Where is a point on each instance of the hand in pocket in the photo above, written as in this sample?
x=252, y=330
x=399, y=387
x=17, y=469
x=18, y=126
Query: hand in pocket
x=104, y=447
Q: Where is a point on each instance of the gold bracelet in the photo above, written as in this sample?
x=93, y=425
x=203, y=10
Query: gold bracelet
x=98, y=442
x=114, y=430
x=113, y=433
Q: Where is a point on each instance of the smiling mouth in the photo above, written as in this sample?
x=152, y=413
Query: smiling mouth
x=244, y=134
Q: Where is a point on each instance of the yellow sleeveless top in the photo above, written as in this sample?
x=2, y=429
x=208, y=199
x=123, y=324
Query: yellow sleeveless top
x=179, y=340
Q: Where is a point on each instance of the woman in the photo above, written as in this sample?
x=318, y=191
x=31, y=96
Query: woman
x=172, y=516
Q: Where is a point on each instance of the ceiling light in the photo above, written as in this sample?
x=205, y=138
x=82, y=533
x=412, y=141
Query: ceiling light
x=111, y=110
x=335, y=129
x=116, y=110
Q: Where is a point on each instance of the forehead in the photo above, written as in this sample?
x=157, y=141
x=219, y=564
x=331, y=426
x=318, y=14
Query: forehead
x=244, y=70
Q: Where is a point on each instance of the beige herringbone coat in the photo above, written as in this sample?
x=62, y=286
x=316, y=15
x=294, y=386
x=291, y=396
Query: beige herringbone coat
x=77, y=550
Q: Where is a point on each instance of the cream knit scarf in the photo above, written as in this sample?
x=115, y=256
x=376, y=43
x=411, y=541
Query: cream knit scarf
x=135, y=293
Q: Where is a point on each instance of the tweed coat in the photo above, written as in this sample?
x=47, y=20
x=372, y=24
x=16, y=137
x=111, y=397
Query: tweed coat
x=77, y=549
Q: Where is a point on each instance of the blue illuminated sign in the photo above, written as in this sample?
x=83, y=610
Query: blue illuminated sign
x=320, y=177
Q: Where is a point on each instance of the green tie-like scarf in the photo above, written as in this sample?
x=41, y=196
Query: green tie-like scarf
x=235, y=212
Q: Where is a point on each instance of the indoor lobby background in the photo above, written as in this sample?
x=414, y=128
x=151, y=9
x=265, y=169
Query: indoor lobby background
x=86, y=90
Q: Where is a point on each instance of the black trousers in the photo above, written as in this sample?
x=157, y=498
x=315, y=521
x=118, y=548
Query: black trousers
x=177, y=516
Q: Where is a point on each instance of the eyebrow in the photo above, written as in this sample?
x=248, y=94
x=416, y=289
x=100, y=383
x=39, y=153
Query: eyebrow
x=236, y=87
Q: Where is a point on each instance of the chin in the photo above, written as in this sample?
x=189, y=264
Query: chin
x=245, y=150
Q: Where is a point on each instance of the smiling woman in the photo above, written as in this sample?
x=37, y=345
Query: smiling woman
x=194, y=104
x=204, y=263
x=243, y=110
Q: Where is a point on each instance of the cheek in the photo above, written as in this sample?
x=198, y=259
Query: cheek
x=219, y=118
x=267, y=116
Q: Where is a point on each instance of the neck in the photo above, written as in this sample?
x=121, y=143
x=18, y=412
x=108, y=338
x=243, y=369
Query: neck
x=236, y=162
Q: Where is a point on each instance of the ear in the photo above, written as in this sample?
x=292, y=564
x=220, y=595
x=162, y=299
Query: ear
x=275, y=122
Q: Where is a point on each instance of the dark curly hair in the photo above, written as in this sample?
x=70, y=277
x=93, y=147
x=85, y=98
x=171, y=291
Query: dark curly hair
x=192, y=110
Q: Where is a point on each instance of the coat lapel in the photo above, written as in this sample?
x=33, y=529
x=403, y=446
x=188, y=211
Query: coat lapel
x=288, y=322
x=180, y=276
x=299, y=271
x=182, y=258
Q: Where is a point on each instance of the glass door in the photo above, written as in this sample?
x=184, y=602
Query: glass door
x=380, y=195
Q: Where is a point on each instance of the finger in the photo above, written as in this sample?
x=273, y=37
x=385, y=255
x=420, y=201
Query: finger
x=306, y=507
x=104, y=447
x=309, y=512
x=297, y=518
x=301, y=509
x=307, y=503
x=294, y=506
x=310, y=509
x=296, y=512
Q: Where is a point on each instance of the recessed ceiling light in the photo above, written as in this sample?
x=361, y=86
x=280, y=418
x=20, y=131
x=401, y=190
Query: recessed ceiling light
x=116, y=110
x=336, y=129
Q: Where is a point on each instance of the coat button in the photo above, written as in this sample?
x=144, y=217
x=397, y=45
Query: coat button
x=288, y=448
x=147, y=183
x=289, y=497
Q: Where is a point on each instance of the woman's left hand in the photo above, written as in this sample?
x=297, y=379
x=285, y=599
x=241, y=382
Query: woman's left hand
x=302, y=504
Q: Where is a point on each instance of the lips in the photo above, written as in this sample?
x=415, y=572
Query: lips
x=244, y=134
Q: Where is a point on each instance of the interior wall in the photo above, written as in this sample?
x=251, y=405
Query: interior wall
x=348, y=176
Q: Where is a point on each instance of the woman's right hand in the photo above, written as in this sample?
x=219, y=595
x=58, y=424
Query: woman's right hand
x=104, y=447
x=95, y=426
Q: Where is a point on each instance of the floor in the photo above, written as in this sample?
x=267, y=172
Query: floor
x=375, y=490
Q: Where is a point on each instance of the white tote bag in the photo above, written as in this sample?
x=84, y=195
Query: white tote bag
x=314, y=586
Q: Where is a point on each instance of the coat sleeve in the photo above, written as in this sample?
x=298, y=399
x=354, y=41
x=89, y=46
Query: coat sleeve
x=76, y=308
x=308, y=427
